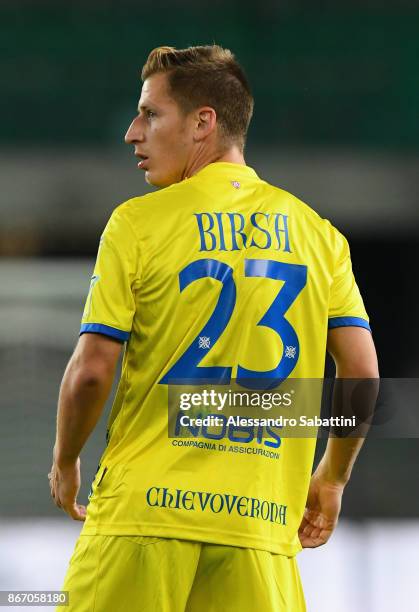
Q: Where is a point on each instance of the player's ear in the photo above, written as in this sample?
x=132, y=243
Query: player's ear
x=205, y=121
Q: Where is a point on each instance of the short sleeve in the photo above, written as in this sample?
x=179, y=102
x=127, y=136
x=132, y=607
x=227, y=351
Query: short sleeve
x=110, y=304
x=346, y=307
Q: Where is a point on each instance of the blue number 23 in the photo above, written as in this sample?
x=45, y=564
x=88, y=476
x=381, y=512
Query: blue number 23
x=294, y=277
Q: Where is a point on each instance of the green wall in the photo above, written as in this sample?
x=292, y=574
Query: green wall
x=334, y=75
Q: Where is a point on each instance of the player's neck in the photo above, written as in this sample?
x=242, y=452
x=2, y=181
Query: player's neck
x=232, y=155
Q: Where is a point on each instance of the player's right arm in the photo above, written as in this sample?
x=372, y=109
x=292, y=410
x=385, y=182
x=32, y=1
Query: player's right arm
x=353, y=351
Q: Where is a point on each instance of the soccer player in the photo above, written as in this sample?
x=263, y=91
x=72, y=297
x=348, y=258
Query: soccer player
x=217, y=276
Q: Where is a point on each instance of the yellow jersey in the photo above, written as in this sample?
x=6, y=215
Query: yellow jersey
x=217, y=278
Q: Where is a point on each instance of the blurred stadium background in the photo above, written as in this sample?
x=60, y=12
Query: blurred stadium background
x=336, y=123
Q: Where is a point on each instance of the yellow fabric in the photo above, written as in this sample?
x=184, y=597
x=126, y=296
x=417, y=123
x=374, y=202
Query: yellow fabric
x=146, y=574
x=243, y=489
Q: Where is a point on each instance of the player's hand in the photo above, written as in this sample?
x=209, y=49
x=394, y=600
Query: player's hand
x=321, y=512
x=64, y=481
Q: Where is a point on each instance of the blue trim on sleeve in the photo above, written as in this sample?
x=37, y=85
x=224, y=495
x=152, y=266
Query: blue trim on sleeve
x=98, y=328
x=348, y=322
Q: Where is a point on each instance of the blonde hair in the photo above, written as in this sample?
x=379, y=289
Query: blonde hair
x=206, y=76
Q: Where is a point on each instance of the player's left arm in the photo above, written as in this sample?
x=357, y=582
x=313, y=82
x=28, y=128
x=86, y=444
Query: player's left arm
x=84, y=390
x=354, y=354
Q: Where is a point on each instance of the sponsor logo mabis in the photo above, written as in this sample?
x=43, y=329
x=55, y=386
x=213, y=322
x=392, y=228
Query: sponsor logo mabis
x=217, y=503
x=267, y=436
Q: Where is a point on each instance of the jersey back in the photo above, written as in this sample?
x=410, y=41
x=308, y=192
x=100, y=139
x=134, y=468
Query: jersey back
x=219, y=278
